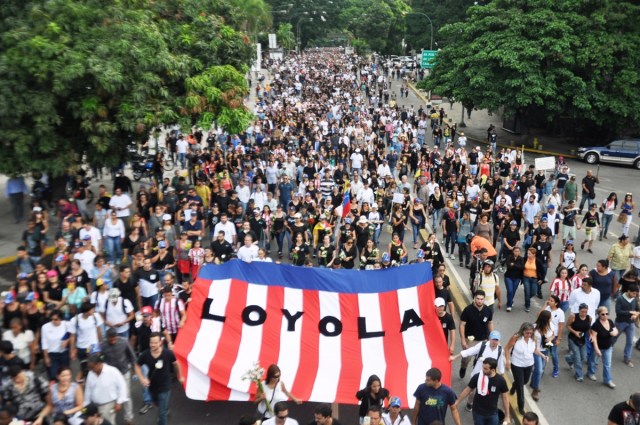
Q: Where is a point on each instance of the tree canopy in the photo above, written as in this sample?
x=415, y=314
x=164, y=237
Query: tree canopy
x=572, y=58
x=81, y=76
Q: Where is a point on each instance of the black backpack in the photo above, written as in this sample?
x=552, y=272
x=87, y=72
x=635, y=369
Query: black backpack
x=482, y=347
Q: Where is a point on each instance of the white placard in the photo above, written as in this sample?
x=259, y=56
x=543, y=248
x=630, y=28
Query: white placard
x=398, y=198
x=545, y=163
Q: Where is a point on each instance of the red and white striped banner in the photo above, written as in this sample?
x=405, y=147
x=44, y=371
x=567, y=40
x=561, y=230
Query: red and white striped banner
x=327, y=330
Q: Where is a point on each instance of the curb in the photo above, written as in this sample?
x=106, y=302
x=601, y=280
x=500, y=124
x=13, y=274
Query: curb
x=551, y=153
x=461, y=298
x=12, y=258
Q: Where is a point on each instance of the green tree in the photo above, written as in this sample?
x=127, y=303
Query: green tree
x=81, y=76
x=571, y=57
x=285, y=36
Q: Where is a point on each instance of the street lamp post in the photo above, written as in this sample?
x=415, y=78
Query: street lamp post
x=430, y=25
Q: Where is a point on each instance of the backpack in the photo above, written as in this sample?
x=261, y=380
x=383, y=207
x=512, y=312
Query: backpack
x=106, y=305
x=482, y=347
x=78, y=321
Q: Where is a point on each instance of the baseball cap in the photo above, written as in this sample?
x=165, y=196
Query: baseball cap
x=52, y=273
x=86, y=238
x=22, y=276
x=30, y=296
x=166, y=217
x=89, y=410
x=146, y=310
x=297, y=215
x=162, y=244
x=395, y=402
x=439, y=302
x=551, y=207
x=544, y=219
x=495, y=335
x=513, y=223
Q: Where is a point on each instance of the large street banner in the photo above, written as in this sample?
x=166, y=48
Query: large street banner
x=328, y=330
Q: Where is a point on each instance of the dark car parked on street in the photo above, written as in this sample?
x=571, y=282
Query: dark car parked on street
x=623, y=151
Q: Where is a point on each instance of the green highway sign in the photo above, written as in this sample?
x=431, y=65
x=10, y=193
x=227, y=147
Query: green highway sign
x=427, y=60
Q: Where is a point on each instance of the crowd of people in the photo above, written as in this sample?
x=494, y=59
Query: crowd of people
x=332, y=164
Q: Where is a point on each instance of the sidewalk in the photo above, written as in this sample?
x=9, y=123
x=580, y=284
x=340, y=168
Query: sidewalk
x=475, y=129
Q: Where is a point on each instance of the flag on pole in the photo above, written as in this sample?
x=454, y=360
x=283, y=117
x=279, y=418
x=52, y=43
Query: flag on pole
x=346, y=200
x=328, y=330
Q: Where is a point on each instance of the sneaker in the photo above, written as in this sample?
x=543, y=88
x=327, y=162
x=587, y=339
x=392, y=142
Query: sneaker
x=460, y=264
x=469, y=407
x=589, y=251
x=579, y=379
x=539, y=296
x=582, y=245
x=145, y=408
x=610, y=385
x=555, y=374
x=508, y=309
x=527, y=309
x=447, y=255
x=453, y=257
x=463, y=371
x=628, y=363
x=592, y=377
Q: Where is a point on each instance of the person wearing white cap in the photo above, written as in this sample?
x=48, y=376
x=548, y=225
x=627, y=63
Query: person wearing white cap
x=447, y=323
x=356, y=159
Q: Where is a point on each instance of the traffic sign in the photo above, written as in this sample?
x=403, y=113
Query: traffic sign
x=428, y=59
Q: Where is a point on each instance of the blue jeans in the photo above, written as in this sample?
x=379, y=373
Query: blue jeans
x=587, y=199
x=463, y=252
x=485, y=420
x=58, y=360
x=606, y=364
x=530, y=289
x=577, y=356
x=450, y=241
x=512, y=287
x=150, y=301
x=435, y=219
x=146, y=395
x=606, y=220
x=538, y=369
x=554, y=357
x=162, y=401
x=629, y=330
x=280, y=240
x=114, y=248
x=182, y=157
x=416, y=228
x=376, y=235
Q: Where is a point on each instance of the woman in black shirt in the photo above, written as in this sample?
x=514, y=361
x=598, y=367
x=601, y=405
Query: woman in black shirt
x=603, y=331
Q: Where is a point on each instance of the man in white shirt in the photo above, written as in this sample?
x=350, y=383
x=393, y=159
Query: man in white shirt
x=356, y=160
x=85, y=255
x=120, y=203
x=105, y=387
x=462, y=140
x=244, y=193
x=586, y=294
x=182, y=146
x=227, y=227
x=118, y=312
x=248, y=252
x=94, y=234
x=383, y=169
x=366, y=194
x=281, y=415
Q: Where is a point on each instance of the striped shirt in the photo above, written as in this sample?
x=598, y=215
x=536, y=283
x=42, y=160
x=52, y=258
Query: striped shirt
x=561, y=288
x=170, y=314
x=326, y=186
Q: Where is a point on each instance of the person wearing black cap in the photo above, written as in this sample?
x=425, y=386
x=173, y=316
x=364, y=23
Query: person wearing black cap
x=625, y=412
x=92, y=416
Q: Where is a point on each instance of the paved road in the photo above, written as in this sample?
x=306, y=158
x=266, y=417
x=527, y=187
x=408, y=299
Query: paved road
x=560, y=397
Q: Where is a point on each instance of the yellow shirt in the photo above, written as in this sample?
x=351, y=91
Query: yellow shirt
x=204, y=192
